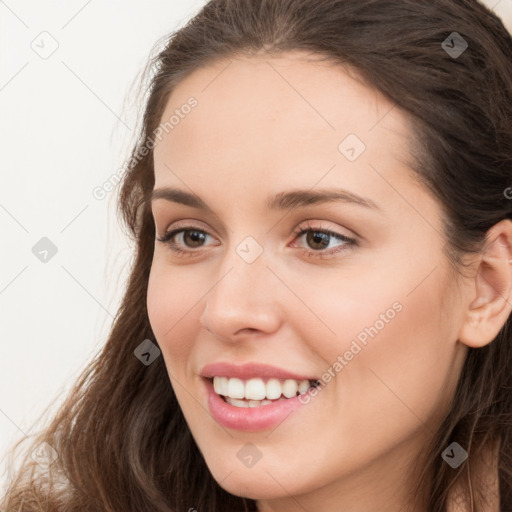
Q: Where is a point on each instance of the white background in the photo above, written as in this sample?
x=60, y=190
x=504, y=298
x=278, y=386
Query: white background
x=66, y=126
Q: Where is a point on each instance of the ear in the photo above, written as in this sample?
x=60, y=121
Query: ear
x=491, y=300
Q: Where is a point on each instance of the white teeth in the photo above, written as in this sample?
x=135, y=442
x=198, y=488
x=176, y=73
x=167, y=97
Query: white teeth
x=247, y=403
x=303, y=386
x=220, y=384
x=257, y=389
x=273, y=389
x=257, y=403
x=237, y=403
x=236, y=388
x=290, y=388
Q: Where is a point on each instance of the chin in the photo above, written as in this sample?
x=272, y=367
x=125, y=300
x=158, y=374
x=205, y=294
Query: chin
x=253, y=488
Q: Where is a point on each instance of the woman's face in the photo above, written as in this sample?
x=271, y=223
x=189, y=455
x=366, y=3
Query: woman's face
x=368, y=310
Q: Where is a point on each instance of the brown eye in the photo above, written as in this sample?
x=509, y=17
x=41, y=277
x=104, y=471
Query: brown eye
x=185, y=239
x=317, y=239
x=193, y=238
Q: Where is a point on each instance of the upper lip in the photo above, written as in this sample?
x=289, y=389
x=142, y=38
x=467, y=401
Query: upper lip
x=250, y=371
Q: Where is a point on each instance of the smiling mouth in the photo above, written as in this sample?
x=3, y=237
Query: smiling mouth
x=258, y=392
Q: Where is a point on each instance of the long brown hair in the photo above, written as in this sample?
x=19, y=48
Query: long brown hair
x=121, y=438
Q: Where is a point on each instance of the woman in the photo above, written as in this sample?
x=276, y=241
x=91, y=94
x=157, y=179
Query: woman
x=318, y=314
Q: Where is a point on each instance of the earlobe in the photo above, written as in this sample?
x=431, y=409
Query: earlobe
x=491, y=302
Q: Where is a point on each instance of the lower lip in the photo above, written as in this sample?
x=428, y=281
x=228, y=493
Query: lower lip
x=249, y=418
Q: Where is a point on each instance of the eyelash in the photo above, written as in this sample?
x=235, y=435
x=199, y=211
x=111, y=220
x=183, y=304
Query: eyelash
x=349, y=242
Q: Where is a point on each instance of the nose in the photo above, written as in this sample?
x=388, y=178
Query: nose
x=243, y=301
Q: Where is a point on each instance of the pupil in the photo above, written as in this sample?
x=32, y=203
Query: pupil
x=314, y=237
x=194, y=236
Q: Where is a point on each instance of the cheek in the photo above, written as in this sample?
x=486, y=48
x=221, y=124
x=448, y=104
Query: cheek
x=392, y=354
x=402, y=376
x=171, y=299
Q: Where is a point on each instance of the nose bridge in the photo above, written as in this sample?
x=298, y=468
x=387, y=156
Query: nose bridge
x=242, y=268
x=241, y=295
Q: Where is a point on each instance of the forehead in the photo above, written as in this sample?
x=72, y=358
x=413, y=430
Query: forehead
x=263, y=118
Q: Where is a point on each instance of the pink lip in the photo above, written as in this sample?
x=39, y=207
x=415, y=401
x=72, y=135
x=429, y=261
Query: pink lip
x=249, y=418
x=249, y=371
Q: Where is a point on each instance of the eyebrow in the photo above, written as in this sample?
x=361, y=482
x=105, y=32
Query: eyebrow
x=290, y=200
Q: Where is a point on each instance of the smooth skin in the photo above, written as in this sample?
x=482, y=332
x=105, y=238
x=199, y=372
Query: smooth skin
x=265, y=125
